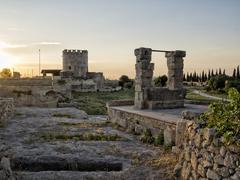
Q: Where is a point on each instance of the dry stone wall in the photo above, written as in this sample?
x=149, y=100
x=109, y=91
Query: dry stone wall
x=6, y=109
x=204, y=155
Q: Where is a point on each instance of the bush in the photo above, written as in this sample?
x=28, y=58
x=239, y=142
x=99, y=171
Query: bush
x=225, y=118
x=218, y=82
x=161, y=81
x=128, y=85
x=233, y=83
x=147, y=137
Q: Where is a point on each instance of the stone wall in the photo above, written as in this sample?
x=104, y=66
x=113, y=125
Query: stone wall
x=26, y=82
x=204, y=155
x=137, y=123
x=6, y=109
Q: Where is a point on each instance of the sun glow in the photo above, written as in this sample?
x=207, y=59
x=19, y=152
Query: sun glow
x=7, y=60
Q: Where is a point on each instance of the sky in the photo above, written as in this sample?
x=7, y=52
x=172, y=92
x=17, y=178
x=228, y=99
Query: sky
x=208, y=30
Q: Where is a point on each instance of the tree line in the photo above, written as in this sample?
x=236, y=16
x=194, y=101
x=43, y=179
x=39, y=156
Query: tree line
x=207, y=75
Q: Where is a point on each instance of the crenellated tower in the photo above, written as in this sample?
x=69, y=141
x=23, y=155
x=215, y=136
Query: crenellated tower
x=76, y=62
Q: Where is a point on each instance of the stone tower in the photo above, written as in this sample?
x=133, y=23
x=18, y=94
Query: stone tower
x=76, y=62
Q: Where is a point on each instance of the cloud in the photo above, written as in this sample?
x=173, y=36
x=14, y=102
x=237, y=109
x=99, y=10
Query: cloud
x=4, y=45
x=49, y=43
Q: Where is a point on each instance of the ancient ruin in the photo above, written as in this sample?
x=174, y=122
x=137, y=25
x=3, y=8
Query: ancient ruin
x=157, y=109
x=149, y=97
x=54, y=90
x=75, y=72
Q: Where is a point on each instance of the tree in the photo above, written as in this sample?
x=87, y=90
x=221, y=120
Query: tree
x=238, y=73
x=184, y=77
x=203, y=76
x=220, y=71
x=224, y=73
x=188, y=77
x=212, y=73
x=218, y=82
x=234, y=73
x=5, y=73
x=161, y=81
x=194, y=76
x=209, y=75
x=191, y=77
x=123, y=79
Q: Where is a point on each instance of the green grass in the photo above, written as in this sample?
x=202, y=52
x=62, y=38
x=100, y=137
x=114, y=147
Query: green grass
x=94, y=103
x=54, y=136
x=198, y=99
x=85, y=124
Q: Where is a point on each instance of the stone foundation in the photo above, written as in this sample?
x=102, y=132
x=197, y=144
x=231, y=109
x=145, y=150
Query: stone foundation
x=6, y=109
x=204, y=156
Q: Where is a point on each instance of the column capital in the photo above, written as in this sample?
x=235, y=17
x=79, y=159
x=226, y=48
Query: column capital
x=177, y=53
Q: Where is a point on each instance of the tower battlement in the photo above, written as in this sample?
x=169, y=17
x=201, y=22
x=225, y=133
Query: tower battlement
x=74, y=51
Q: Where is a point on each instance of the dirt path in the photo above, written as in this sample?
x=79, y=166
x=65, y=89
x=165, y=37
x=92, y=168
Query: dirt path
x=209, y=96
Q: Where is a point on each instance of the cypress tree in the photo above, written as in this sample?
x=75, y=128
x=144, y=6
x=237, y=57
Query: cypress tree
x=212, y=73
x=184, y=77
x=191, y=77
x=216, y=72
x=209, y=75
x=234, y=73
x=220, y=71
x=224, y=73
x=203, y=76
x=194, y=76
x=238, y=73
x=188, y=79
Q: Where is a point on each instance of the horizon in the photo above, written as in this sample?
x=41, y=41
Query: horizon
x=110, y=31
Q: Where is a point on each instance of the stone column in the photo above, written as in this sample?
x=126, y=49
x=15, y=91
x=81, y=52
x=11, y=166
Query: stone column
x=175, y=69
x=144, y=74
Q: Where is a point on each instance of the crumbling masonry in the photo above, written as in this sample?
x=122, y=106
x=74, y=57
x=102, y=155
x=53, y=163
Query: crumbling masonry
x=149, y=97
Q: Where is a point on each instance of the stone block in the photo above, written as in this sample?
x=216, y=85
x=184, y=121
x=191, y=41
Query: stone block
x=180, y=129
x=212, y=175
x=169, y=136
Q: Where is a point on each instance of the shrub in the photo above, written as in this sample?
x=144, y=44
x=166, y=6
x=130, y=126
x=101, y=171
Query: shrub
x=161, y=81
x=218, y=82
x=233, y=83
x=225, y=118
x=159, y=140
x=147, y=137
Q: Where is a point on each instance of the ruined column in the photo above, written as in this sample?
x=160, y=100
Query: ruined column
x=144, y=74
x=175, y=69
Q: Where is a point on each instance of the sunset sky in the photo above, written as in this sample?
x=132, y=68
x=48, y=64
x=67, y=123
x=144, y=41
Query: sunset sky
x=209, y=31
